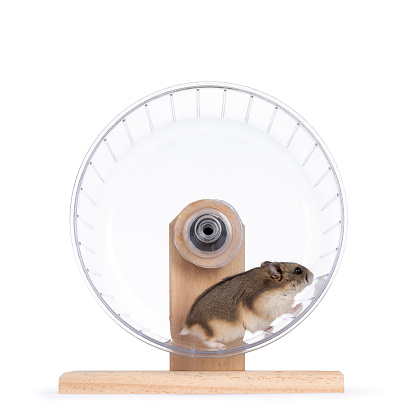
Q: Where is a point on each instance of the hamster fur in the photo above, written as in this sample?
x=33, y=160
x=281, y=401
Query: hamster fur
x=251, y=300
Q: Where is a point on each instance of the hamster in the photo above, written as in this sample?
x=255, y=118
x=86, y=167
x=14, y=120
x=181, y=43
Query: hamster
x=251, y=300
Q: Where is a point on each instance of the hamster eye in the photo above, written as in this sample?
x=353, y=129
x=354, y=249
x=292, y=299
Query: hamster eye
x=298, y=270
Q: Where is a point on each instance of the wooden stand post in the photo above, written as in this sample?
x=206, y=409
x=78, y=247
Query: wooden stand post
x=187, y=282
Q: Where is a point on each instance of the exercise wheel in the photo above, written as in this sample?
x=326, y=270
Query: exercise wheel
x=194, y=183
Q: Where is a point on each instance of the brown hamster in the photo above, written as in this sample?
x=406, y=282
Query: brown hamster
x=251, y=300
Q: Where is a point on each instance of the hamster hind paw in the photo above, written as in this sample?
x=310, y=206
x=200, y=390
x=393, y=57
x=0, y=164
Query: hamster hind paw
x=214, y=344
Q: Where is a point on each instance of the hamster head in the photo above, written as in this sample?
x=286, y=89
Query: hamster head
x=295, y=276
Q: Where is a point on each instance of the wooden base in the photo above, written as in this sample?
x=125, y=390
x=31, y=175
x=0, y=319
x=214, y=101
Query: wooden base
x=197, y=382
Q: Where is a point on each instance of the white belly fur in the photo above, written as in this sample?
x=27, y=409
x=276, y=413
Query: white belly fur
x=266, y=309
x=226, y=331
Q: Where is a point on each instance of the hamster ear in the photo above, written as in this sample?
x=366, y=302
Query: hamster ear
x=275, y=271
x=265, y=263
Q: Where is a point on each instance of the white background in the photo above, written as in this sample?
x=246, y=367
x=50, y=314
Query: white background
x=68, y=68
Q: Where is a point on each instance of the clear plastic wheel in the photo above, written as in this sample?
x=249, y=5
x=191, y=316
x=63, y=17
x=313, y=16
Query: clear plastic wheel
x=203, y=141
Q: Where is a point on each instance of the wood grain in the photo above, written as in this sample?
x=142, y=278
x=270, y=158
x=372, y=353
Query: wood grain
x=200, y=382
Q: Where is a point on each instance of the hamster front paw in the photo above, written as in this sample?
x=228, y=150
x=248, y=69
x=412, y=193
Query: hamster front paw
x=297, y=309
